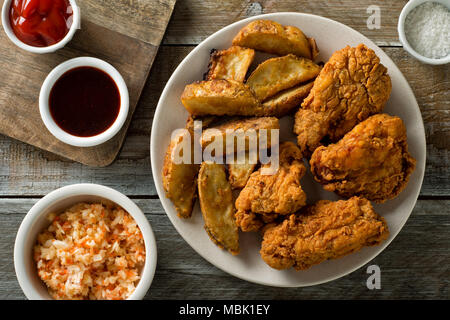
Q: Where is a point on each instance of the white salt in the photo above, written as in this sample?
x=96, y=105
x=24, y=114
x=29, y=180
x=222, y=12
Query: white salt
x=427, y=30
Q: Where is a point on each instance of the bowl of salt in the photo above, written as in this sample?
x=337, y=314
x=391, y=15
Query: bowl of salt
x=423, y=29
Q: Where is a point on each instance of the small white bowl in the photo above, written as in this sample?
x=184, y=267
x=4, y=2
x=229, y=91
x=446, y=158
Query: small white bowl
x=66, y=137
x=401, y=32
x=36, y=221
x=11, y=35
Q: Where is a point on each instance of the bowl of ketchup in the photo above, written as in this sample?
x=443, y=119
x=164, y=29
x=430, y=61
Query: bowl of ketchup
x=84, y=102
x=40, y=26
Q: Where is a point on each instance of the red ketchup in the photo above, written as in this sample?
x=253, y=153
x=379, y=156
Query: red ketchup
x=40, y=23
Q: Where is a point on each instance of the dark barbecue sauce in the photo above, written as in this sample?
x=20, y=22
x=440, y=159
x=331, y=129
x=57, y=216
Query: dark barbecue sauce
x=84, y=101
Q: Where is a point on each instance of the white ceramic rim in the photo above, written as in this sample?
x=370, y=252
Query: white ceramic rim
x=402, y=36
x=157, y=153
x=66, y=137
x=120, y=199
x=59, y=45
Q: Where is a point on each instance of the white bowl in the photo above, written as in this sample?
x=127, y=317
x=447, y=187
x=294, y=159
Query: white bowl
x=59, y=45
x=401, y=32
x=170, y=115
x=36, y=221
x=66, y=137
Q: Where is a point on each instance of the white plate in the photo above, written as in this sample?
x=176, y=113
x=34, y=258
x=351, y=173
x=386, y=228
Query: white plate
x=248, y=265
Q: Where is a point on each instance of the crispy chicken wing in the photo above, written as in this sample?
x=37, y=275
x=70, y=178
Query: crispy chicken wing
x=265, y=197
x=352, y=86
x=371, y=161
x=326, y=230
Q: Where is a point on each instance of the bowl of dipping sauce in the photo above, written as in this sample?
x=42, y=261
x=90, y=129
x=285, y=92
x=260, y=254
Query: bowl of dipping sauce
x=423, y=29
x=84, y=102
x=40, y=26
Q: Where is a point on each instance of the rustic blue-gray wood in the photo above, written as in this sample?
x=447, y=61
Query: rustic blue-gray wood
x=415, y=265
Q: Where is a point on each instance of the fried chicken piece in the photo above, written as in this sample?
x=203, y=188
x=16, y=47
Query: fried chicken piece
x=323, y=231
x=265, y=197
x=371, y=161
x=352, y=86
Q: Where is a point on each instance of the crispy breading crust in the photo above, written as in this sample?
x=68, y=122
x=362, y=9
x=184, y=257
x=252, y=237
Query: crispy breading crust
x=216, y=203
x=326, y=230
x=230, y=64
x=352, y=86
x=371, y=161
x=265, y=197
x=221, y=97
x=270, y=36
x=277, y=74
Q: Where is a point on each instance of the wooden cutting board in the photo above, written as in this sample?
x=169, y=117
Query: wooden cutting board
x=125, y=33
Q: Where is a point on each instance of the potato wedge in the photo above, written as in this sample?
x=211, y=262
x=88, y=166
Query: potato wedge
x=209, y=135
x=180, y=180
x=277, y=74
x=238, y=174
x=287, y=100
x=220, y=97
x=230, y=64
x=217, y=205
x=271, y=37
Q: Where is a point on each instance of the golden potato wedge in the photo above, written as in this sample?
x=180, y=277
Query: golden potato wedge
x=314, y=49
x=277, y=74
x=287, y=100
x=209, y=135
x=272, y=37
x=238, y=174
x=220, y=97
x=230, y=64
x=217, y=205
x=180, y=180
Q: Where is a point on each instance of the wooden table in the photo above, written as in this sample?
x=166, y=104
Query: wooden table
x=415, y=265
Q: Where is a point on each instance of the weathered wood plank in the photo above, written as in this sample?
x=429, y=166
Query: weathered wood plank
x=193, y=21
x=141, y=19
x=414, y=266
x=23, y=73
x=25, y=170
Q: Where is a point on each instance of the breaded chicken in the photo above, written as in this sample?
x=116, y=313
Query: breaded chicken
x=265, y=197
x=371, y=161
x=326, y=230
x=352, y=86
